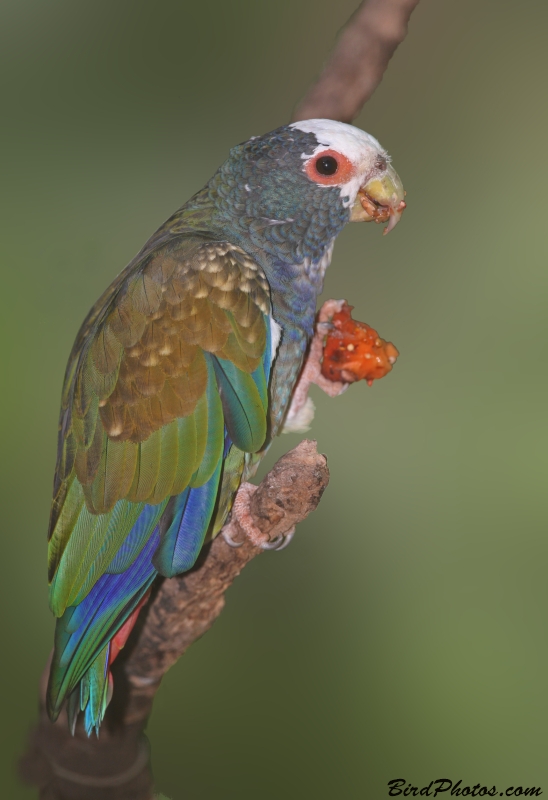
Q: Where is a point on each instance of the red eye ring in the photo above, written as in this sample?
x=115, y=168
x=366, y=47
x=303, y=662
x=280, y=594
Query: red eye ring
x=343, y=173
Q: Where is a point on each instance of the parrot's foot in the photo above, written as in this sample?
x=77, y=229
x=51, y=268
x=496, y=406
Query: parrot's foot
x=313, y=365
x=242, y=520
x=301, y=410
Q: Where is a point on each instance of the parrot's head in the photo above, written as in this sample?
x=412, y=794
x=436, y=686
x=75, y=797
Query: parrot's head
x=291, y=191
x=354, y=162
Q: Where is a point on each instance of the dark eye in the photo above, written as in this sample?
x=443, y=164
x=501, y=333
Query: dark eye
x=327, y=165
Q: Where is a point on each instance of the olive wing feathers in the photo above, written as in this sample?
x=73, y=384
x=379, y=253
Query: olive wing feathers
x=172, y=360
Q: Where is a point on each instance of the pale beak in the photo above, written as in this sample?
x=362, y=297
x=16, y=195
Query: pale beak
x=380, y=199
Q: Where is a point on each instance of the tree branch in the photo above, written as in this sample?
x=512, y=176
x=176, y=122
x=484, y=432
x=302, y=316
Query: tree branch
x=358, y=61
x=187, y=606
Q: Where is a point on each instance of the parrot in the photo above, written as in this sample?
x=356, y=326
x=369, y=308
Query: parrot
x=181, y=375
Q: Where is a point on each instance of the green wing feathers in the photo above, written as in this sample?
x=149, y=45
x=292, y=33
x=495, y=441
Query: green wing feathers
x=170, y=357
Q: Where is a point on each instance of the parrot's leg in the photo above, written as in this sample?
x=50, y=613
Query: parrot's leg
x=241, y=519
x=301, y=410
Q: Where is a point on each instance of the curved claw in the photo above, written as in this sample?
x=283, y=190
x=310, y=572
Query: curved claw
x=280, y=541
x=287, y=537
x=228, y=538
x=274, y=544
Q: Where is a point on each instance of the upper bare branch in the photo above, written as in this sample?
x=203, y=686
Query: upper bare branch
x=360, y=57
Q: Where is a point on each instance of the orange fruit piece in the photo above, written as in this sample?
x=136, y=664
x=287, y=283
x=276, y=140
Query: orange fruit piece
x=354, y=351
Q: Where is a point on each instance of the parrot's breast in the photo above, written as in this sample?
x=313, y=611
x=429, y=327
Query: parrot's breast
x=294, y=291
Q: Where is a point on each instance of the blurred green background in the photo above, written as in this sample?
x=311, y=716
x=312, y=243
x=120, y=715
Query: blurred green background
x=403, y=634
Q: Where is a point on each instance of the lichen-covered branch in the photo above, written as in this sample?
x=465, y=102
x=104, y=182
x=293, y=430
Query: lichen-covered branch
x=185, y=607
x=358, y=61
